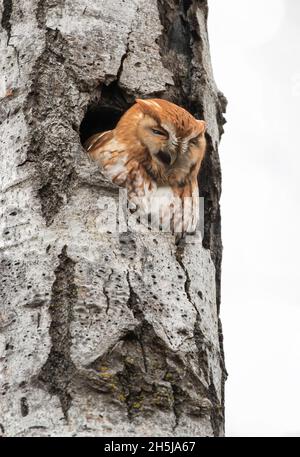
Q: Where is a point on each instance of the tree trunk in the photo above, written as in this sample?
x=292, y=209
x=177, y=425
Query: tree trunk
x=102, y=333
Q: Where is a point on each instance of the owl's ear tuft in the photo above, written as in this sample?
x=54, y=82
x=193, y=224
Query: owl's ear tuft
x=143, y=103
x=148, y=104
x=150, y=107
x=202, y=125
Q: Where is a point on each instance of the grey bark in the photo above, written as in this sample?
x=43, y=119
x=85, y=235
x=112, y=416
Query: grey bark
x=102, y=333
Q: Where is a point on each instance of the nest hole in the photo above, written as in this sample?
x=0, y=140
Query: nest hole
x=98, y=119
x=105, y=112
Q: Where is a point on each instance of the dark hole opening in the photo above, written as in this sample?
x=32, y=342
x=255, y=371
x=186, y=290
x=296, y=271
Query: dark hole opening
x=98, y=119
x=104, y=113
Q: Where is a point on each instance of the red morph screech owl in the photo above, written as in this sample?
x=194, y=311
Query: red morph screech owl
x=155, y=152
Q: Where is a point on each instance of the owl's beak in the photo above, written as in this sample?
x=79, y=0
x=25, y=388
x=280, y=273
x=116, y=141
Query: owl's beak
x=173, y=155
x=166, y=157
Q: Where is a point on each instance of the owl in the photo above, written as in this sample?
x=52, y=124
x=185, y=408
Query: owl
x=155, y=152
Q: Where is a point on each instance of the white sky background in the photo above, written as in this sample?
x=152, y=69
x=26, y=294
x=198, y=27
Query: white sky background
x=255, y=47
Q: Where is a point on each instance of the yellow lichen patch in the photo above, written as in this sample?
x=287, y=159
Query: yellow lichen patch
x=168, y=377
x=137, y=405
x=122, y=397
x=105, y=375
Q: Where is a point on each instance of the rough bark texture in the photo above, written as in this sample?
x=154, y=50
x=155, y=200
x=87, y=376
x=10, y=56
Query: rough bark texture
x=102, y=333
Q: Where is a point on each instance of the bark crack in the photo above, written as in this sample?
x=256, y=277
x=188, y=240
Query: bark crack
x=132, y=304
x=106, y=292
x=179, y=258
x=124, y=56
x=127, y=49
x=175, y=406
x=41, y=14
x=217, y=411
x=202, y=346
x=24, y=406
x=59, y=369
x=6, y=17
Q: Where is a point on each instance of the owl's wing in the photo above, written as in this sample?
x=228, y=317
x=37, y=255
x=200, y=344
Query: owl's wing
x=113, y=158
x=97, y=141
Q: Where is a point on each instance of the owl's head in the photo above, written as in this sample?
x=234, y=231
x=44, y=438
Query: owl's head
x=174, y=139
